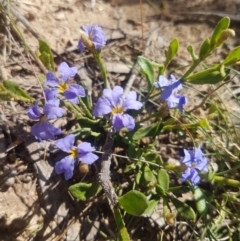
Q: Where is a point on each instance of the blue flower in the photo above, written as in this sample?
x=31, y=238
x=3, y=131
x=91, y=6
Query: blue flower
x=92, y=38
x=170, y=92
x=83, y=152
x=195, y=162
x=70, y=91
x=113, y=103
x=43, y=130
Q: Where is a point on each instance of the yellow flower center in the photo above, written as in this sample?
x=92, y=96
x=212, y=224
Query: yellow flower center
x=73, y=153
x=117, y=110
x=62, y=87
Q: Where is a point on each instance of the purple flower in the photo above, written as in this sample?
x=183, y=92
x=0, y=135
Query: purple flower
x=94, y=36
x=170, y=92
x=113, y=103
x=196, y=162
x=43, y=130
x=70, y=91
x=82, y=152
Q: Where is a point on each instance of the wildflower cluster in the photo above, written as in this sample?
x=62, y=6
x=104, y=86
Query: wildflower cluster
x=113, y=103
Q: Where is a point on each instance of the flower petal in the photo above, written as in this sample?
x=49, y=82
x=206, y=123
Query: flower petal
x=45, y=131
x=130, y=102
x=51, y=80
x=73, y=92
x=66, y=166
x=50, y=93
x=34, y=112
x=51, y=109
x=85, y=147
x=88, y=158
x=67, y=72
x=81, y=46
x=103, y=107
x=119, y=121
x=85, y=153
x=128, y=122
x=66, y=143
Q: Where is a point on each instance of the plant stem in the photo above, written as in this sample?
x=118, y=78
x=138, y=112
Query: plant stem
x=97, y=56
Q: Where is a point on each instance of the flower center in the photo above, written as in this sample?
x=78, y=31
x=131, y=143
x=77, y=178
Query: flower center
x=63, y=86
x=74, y=153
x=117, y=110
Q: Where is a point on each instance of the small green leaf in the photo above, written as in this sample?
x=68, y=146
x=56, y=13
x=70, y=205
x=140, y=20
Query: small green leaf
x=172, y=51
x=147, y=70
x=233, y=57
x=151, y=207
x=204, y=49
x=134, y=202
x=46, y=55
x=152, y=130
x=84, y=191
x=14, y=91
x=200, y=200
x=163, y=179
x=160, y=191
x=209, y=76
x=148, y=177
x=190, y=49
x=222, y=25
x=183, y=209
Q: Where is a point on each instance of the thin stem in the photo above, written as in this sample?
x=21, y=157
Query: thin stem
x=86, y=110
x=97, y=56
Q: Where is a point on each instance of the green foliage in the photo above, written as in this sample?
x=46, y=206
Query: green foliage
x=151, y=131
x=222, y=25
x=46, y=55
x=183, y=209
x=171, y=52
x=147, y=70
x=84, y=191
x=200, y=200
x=205, y=48
x=209, y=76
x=163, y=179
x=12, y=91
x=134, y=202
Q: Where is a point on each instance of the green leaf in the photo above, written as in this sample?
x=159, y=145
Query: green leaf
x=151, y=207
x=172, y=51
x=209, y=76
x=190, y=49
x=204, y=49
x=152, y=130
x=200, y=200
x=233, y=57
x=147, y=70
x=10, y=90
x=148, y=177
x=84, y=191
x=160, y=191
x=183, y=209
x=163, y=179
x=46, y=55
x=222, y=25
x=134, y=202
